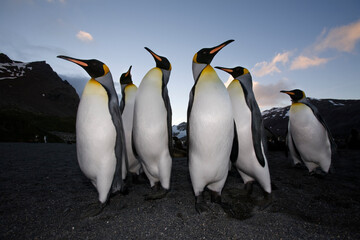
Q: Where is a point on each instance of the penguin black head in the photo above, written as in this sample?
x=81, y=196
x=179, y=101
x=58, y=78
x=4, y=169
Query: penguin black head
x=235, y=72
x=161, y=62
x=295, y=94
x=206, y=55
x=126, y=77
x=93, y=67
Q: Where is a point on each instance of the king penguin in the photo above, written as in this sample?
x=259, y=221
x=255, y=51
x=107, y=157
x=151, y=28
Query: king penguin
x=100, y=140
x=308, y=137
x=251, y=160
x=152, y=131
x=128, y=93
x=210, y=129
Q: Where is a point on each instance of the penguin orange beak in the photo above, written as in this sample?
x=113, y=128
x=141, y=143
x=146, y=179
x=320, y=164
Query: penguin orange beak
x=79, y=62
x=157, y=57
x=128, y=72
x=161, y=62
x=216, y=49
x=228, y=70
x=288, y=92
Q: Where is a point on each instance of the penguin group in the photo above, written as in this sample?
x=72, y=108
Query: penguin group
x=115, y=139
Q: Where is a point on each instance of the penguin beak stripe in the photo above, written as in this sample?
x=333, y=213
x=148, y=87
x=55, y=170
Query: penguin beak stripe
x=217, y=49
x=289, y=93
x=83, y=64
x=156, y=56
x=128, y=72
x=226, y=69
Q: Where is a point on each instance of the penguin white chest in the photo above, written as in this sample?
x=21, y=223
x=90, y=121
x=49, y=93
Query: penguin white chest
x=242, y=116
x=127, y=116
x=128, y=113
x=211, y=122
x=242, y=113
x=95, y=132
x=150, y=116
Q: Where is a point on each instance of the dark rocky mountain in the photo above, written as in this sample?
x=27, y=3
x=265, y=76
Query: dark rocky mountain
x=35, y=102
x=341, y=116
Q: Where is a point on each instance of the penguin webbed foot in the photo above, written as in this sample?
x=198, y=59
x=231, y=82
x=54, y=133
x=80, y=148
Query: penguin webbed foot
x=318, y=173
x=157, y=192
x=124, y=190
x=249, y=186
x=216, y=198
x=93, y=209
x=265, y=202
x=138, y=178
x=200, y=204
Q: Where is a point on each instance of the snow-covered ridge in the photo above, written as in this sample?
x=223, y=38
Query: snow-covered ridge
x=179, y=131
x=336, y=104
x=13, y=70
x=275, y=112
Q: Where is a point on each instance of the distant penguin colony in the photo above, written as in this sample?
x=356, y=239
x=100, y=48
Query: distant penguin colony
x=224, y=128
x=308, y=139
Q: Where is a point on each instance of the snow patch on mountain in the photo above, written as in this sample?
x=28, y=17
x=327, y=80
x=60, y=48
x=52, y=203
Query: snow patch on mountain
x=179, y=131
x=13, y=70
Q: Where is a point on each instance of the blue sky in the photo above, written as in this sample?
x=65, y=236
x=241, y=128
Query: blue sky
x=311, y=45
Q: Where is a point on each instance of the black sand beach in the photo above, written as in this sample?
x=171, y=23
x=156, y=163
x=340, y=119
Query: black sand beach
x=43, y=194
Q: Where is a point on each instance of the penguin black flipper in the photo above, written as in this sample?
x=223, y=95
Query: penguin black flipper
x=235, y=147
x=257, y=128
x=322, y=121
x=190, y=104
x=120, y=150
x=122, y=103
x=166, y=99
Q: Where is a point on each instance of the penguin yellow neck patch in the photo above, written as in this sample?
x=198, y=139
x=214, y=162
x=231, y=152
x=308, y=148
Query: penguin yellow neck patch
x=209, y=74
x=93, y=87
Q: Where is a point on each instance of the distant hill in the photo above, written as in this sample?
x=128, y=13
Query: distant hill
x=35, y=102
x=342, y=117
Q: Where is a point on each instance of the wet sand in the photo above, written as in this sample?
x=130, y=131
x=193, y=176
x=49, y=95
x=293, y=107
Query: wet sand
x=43, y=193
